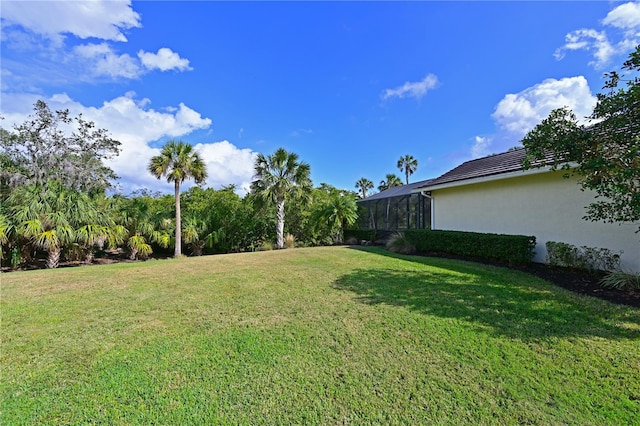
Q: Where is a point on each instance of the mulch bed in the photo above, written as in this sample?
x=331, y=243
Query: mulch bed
x=583, y=283
x=576, y=281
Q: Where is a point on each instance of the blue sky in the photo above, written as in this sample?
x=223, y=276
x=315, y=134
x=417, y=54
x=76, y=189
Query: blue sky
x=349, y=86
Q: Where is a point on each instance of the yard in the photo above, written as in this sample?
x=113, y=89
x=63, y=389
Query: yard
x=330, y=335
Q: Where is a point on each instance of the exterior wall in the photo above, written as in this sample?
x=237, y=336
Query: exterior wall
x=545, y=205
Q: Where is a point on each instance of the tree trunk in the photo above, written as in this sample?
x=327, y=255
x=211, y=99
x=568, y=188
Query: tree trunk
x=53, y=260
x=280, y=224
x=178, y=250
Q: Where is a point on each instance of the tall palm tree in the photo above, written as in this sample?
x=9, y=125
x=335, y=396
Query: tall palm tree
x=391, y=181
x=364, y=184
x=178, y=161
x=408, y=165
x=277, y=177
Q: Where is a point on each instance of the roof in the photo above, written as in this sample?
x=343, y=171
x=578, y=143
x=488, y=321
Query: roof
x=397, y=191
x=506, y=162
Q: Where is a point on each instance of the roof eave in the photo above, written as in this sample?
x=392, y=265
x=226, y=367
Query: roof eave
x=483, y=179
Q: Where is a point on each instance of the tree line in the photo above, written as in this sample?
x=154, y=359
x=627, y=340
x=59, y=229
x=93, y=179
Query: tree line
x=55, y=205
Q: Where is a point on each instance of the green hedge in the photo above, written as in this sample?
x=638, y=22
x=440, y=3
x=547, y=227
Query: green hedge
x=510, y=249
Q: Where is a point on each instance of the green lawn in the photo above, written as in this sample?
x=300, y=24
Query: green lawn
x=311, y=336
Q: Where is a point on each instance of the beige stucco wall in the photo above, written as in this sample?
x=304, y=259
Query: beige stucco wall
x=544, y=204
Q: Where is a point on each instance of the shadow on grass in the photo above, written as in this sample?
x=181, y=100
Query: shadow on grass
x=506, y=302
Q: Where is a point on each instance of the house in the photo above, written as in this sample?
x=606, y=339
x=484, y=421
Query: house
x=495, y=194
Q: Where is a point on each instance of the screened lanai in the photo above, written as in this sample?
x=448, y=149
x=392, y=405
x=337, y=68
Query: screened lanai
x=396, y=209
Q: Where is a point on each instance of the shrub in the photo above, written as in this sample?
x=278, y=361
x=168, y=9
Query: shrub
x=510, y=249
x=289, y=241
x=561, y=254
x=398, y=243
x=16, y=258
x=587, y=258
x=352, y=241
x=621, y=280
x=360, y=234
x=265, y=246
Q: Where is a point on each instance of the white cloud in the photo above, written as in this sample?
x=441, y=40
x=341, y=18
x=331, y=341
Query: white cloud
x=591, y=40
x=133, y=123
x=38, y=32
x=101, y=60
x=480, y=147
x=164, y=60
x=623, y=19
x=103, y=19
x=228, y=164
x=625, y=16
x=412, y=89
x=520, y=112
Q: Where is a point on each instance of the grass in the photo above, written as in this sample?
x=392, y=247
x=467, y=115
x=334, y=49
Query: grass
x=311, y=336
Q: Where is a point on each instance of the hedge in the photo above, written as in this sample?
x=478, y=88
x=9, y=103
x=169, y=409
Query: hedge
x=509, y=249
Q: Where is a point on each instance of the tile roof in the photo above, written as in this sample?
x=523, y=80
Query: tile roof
x=496, y=164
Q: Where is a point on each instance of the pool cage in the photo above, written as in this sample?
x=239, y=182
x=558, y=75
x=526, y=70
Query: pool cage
x=395, y=209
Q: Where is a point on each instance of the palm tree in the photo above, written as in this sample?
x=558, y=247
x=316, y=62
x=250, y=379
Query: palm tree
x=6, y=228
x=178, y=161
x=277, y=177
x=364, y=184
x=198, y=235
x=408, y=165
x=336, y=213
x=140, y=226
x=52, y=217
x=391, y=181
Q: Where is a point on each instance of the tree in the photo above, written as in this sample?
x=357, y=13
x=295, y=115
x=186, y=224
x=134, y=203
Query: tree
x=53, y=217
x=198, y=235
x=6, y=229
x=605, y=154
x=278, y=177
x=144, y=221
x=177, y=162
x=53, y=146
x=364, y=185
x=408, y=165
x=391, y=181
x=334, y=214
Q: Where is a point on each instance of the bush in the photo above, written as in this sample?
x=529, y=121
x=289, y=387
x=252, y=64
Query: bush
x=621, y=280
x=264, y=246
x=360, y=234
x=587, y=258
x=561, y=254
x=398, y=243
x=509, y=249
x=289, y=241
x=352, y=241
